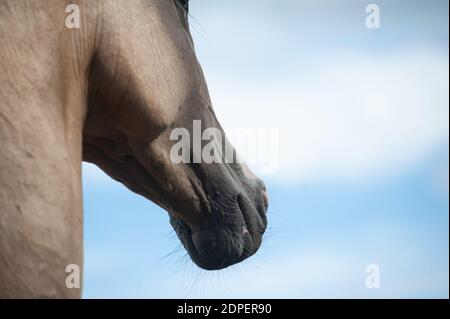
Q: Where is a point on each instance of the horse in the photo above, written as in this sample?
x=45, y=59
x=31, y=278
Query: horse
x=108, y=91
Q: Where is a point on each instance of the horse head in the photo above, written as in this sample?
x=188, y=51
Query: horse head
x=145, y=82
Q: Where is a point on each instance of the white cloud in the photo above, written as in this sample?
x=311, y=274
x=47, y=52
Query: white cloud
x=354, y=117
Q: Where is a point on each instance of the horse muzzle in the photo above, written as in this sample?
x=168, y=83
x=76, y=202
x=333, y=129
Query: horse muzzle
x=229, y=234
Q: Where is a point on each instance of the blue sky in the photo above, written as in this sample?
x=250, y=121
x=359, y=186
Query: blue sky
x=363, y=158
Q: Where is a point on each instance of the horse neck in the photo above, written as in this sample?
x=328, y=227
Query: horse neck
x=42, y=108
x=43, y=96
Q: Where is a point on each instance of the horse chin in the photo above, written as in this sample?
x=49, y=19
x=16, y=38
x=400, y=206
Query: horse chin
x=228, y=237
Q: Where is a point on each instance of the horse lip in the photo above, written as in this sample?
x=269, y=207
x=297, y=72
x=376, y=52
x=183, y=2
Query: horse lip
x=246, y=231
x=211, y=261
x=185, y=234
